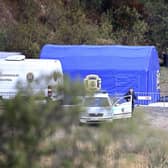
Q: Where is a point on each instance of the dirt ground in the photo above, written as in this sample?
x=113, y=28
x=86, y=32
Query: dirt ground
x=156, y=117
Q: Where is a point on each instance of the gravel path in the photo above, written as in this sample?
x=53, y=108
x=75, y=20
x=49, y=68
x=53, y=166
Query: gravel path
x=157, y=116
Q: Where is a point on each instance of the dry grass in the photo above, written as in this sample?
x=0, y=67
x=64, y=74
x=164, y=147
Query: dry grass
x=164, y=80
x=124, y=143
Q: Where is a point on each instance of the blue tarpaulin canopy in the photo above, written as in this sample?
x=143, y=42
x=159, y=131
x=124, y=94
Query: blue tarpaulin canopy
x=119, y=67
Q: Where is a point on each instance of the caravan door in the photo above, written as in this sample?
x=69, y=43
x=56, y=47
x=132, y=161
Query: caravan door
x=122, y=107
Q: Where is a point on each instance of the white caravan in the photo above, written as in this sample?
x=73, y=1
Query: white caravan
x=38, y=74
x=4, y=54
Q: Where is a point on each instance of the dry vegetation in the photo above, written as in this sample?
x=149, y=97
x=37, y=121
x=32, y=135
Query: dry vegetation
x=49, y=136
x=136, y=143
x=123, y=143
x=25, y=26
x=164, y=80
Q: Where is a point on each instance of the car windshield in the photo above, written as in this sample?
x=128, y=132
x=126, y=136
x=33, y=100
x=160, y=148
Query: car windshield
x=72, y=100
x=96, y=102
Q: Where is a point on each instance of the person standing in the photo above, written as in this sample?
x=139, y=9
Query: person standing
x=132, y=94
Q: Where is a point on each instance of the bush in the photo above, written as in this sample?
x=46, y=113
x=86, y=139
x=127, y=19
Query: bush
x=3, y=39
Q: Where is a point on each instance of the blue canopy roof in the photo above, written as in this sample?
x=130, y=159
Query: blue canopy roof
x=101, y=57
x=119, y=67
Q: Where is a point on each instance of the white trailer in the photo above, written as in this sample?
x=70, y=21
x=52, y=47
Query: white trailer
x=4, y=54
x=16, y=69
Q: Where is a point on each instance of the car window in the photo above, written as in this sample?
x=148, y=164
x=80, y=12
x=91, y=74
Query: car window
x=96, y=102
x=72, y=100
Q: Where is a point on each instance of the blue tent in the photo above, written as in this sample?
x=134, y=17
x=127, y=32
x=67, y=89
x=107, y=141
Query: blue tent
x=119, y=67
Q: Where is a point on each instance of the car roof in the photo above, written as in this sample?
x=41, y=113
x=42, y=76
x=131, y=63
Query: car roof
x=105, y=95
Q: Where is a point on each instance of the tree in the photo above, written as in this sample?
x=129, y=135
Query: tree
x=26, y=122
x=158, y=23
x=26, y=38
x=3, y=39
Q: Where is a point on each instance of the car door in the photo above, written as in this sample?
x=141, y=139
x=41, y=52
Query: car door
x=122, y=107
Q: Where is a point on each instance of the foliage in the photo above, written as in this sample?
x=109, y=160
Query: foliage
x=134, y=22
x=73, y=22
x=26, y=38
x=27, y=9
x=132, y=32
x=123, y=143
x=30, y=131
x=158, y=23
x=26, y=121
x=33, y=131
x=2, y=39
x=69, y=25
x=84, y=22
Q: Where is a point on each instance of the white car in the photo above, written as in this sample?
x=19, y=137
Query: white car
x=100, y=107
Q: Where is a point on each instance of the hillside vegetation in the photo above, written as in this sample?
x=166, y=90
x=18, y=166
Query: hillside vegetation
x=27, y=25
x=47, y=135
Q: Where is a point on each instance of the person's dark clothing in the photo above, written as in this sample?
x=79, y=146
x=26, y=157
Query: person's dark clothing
x=131, y=93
